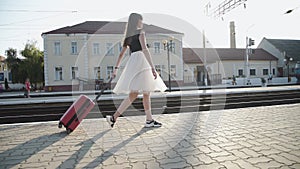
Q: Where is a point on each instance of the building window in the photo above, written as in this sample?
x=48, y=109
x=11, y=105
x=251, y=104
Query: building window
x=240, y=72
x=109, y=49
x=97, y=71
x=74, y=71
x=173, y=47
x=252, y=72
x=158, y=69
x=1, y=76
x=173, y=70
x=96, y=49
x=57, y=50
x=274, y=71
x=109, y=71
x=58, y=73
x=73, y=48
x=265, y=71
x=156, y=47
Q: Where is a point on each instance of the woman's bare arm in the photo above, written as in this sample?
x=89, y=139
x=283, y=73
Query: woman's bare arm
x=119, y=60
x=146, y=52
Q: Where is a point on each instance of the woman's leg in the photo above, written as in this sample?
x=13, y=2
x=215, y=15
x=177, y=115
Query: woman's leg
x=147, y=106
x=125, y=104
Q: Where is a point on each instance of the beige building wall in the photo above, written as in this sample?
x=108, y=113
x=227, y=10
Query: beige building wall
x=232, y=68
x=88, y=58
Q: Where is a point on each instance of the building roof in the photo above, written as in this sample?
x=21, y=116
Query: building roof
x=291, y=47
x=106, y=27
x=195, y=55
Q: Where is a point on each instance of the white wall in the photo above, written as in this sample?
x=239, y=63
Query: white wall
x=229, y=68
x=257, y=81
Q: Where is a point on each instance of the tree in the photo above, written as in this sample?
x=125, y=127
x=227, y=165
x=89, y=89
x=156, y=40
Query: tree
x=33, y=64
x=13, y=62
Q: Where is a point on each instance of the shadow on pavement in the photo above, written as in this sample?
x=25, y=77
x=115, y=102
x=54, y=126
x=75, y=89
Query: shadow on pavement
x=78, y=155
x=107, y=154
x=24, y=151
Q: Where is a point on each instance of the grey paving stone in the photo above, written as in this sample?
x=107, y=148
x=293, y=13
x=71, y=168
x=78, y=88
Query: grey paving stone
x=218, y=154
x=281, y=159
x=290, y=157
x=240, y=154
x=250, y=152
x=192, y=160
x=295, y=166
x=262, y=159
x=152, y=165
x=221, y=159
x=238, y=138
x=138, y=165
x=233, y=147
x=179, y=164
x=269, y=152
x=230, y=165
x=209, y=166
x=205, y=159
x=270, y=164
x=170, y=160
x=244, y=164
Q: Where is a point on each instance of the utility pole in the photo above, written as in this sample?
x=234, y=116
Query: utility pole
x=204, y=59
x=168, y=45
x=249, y=42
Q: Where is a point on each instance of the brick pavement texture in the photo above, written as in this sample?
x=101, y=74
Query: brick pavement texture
x=259, y=137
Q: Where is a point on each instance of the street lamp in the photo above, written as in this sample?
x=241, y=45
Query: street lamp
x=249, y=42
x=287, y=61
x=168, y=45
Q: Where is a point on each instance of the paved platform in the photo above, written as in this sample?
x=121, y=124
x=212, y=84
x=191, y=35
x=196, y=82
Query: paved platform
x=260, y=137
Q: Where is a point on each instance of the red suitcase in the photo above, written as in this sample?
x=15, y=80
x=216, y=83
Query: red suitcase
x=78, y=111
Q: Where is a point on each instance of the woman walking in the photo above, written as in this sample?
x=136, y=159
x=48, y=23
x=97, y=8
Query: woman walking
x=139, y=75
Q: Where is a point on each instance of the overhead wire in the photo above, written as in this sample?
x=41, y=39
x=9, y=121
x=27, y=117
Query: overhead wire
x=35, y=19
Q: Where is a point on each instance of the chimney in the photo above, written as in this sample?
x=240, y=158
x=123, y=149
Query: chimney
x=232, y=35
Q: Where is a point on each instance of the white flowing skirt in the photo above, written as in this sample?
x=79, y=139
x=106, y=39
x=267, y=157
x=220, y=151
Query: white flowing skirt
x=137, y=77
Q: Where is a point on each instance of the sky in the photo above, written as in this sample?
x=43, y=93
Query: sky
x=22, y=21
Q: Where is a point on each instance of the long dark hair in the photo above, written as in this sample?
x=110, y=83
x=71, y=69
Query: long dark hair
x=132, y=24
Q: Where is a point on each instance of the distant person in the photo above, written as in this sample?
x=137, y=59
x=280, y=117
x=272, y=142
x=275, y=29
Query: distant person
x=6, y=85
x=234, y=80
x=139, y=74
x=270, y=78
x=27, y=88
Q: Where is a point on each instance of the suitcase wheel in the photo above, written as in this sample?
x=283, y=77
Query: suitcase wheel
x=59, y=125
x=69, y=131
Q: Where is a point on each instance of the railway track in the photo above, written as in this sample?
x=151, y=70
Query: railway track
x=176, y=104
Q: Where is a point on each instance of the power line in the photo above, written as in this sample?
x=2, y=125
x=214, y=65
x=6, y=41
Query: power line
x=18, y=22
x=40, y=11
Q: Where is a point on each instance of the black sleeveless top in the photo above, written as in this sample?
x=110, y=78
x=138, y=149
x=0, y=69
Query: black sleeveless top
x=133, y=42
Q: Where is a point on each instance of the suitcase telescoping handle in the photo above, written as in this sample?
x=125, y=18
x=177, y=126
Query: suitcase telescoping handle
x=105, y=87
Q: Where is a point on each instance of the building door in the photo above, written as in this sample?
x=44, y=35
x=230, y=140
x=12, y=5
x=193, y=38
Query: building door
x=280, y=71
x=200, y=76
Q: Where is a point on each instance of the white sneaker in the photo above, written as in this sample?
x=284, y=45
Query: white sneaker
x=110, y=120
x=153, y=123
